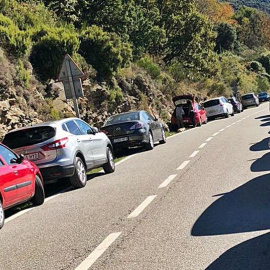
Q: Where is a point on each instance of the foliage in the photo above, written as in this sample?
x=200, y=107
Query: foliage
x=152, y=69
x=48, y=53
x=106, y=52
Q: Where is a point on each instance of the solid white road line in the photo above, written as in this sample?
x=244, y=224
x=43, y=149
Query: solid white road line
x=222, y=130
x=194, y=154
x=183, y=165
x=91, y=259
x=142, y=206
x=167, y=181
x=124, y=159
x=209, y=139
x=18, y=214
x=215, y=134
x=202, y=145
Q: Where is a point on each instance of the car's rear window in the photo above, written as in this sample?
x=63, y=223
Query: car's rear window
x=247, y=96
x=262, y=94
x=28, y=136
x=120, y=118
x=211, y=103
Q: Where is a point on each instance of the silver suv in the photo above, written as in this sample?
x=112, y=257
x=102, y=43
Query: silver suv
x=64, y=148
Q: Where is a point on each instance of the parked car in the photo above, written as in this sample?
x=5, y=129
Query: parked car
x=63, y=148
x=263, y=96
x=194, y=114
x=137, y=128
x=237, y=105
x=250, y=100
x=218, y=107
x=20, y=181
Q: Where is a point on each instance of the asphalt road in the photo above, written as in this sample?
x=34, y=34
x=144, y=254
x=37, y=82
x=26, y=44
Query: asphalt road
x=201, y=201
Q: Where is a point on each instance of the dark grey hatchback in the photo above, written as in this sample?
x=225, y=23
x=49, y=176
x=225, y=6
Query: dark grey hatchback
x=137, y=128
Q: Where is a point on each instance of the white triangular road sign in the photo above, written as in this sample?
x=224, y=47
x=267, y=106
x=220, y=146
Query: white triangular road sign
x=69, y=68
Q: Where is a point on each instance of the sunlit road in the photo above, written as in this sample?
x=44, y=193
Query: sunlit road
x=201, y=201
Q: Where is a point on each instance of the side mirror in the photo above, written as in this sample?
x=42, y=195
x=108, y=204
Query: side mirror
x=20, y=159
x=95, y=129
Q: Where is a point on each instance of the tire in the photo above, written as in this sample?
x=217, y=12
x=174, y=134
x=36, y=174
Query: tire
x=2, y=215
x=39, y=195
x=163, y=139
x=150, y=144
x=109, y=167
x=227, y=115
x=232, y=114
x=79, y=179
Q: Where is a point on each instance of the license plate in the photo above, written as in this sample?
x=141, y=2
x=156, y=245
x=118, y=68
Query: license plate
x=120, y=140
x=33, y=156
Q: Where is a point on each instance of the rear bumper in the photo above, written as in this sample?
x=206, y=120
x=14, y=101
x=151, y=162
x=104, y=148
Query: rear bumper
x=133, y=140
x=52, y=174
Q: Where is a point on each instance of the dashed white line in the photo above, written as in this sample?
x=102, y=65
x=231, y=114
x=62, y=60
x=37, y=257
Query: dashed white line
x=222, y=129
x=167, y=181
x=202, y=145
x=183, y=165
x=209, y=139
x=142, y=206
x=91, y=259
x=215, y=134
x=194, y=154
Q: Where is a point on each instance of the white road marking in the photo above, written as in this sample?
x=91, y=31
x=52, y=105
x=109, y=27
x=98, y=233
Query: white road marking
x=18, y=214
x=202, y=145
x=167, y=181
x=183, y=165
x=215, y=134
x=194, y=154
x=222, y=130
x=142, y=206
x=91, y=259
x=239, y=121
x=209, y=139
x=124, y=159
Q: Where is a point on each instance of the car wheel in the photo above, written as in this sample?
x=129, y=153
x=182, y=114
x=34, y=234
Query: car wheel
x=227, y=115
x=79, y=179
x=109, y=167
x=39, y=195
x=150, y=144
x=232, y=114
x=2, y=215
x=163, y=139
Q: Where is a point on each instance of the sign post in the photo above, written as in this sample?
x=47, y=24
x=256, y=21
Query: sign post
x=70, y=74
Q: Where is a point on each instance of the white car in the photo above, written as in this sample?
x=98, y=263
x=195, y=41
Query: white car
x=218, y=107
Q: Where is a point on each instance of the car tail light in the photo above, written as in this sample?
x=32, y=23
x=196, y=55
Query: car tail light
x=138, y=125
x=58, y=144
x=104, y=131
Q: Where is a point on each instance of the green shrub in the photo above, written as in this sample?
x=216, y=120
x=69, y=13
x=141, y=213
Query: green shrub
x=151, y=68
x=23, y=74
x=104, y=51
x=48, y=53
x=116, y=96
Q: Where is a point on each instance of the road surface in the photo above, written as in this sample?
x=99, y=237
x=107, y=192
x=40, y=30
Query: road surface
x=201, y=201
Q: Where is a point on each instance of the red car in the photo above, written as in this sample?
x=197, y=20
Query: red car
x=194, y=115
x=20, y=181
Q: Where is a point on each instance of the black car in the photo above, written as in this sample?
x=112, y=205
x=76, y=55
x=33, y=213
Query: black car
x=237, y=105
x=263, y=96
x=137, y=128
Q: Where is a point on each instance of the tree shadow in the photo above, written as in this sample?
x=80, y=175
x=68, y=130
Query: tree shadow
x=253, y=254
x=262, y=164
x=266, y=124
x=244, y=209
x=260, y=146
x=263, y=116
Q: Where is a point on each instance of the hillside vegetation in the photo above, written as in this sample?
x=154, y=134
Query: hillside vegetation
x=135, y=54
x=259, y=4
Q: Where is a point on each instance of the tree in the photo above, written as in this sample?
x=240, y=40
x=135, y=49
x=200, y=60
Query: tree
x=104, y=51
x=226, y=37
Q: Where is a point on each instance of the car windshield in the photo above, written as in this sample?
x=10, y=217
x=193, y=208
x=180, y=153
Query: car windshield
x=211, y=103
x=247, y=96
x=231, y=100
x=28, y=136
x=120, y=118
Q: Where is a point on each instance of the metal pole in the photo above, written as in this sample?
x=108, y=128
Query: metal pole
x=70, y=79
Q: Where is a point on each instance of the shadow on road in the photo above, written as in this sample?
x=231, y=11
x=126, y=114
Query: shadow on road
x=262, y=164
x=260, y=146
x=253, y=254
x=263, y=116
x=244, y=209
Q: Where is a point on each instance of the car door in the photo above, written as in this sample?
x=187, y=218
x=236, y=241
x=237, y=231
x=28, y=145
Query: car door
x=152, y=125
x=20, y=177
x=94, y=141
